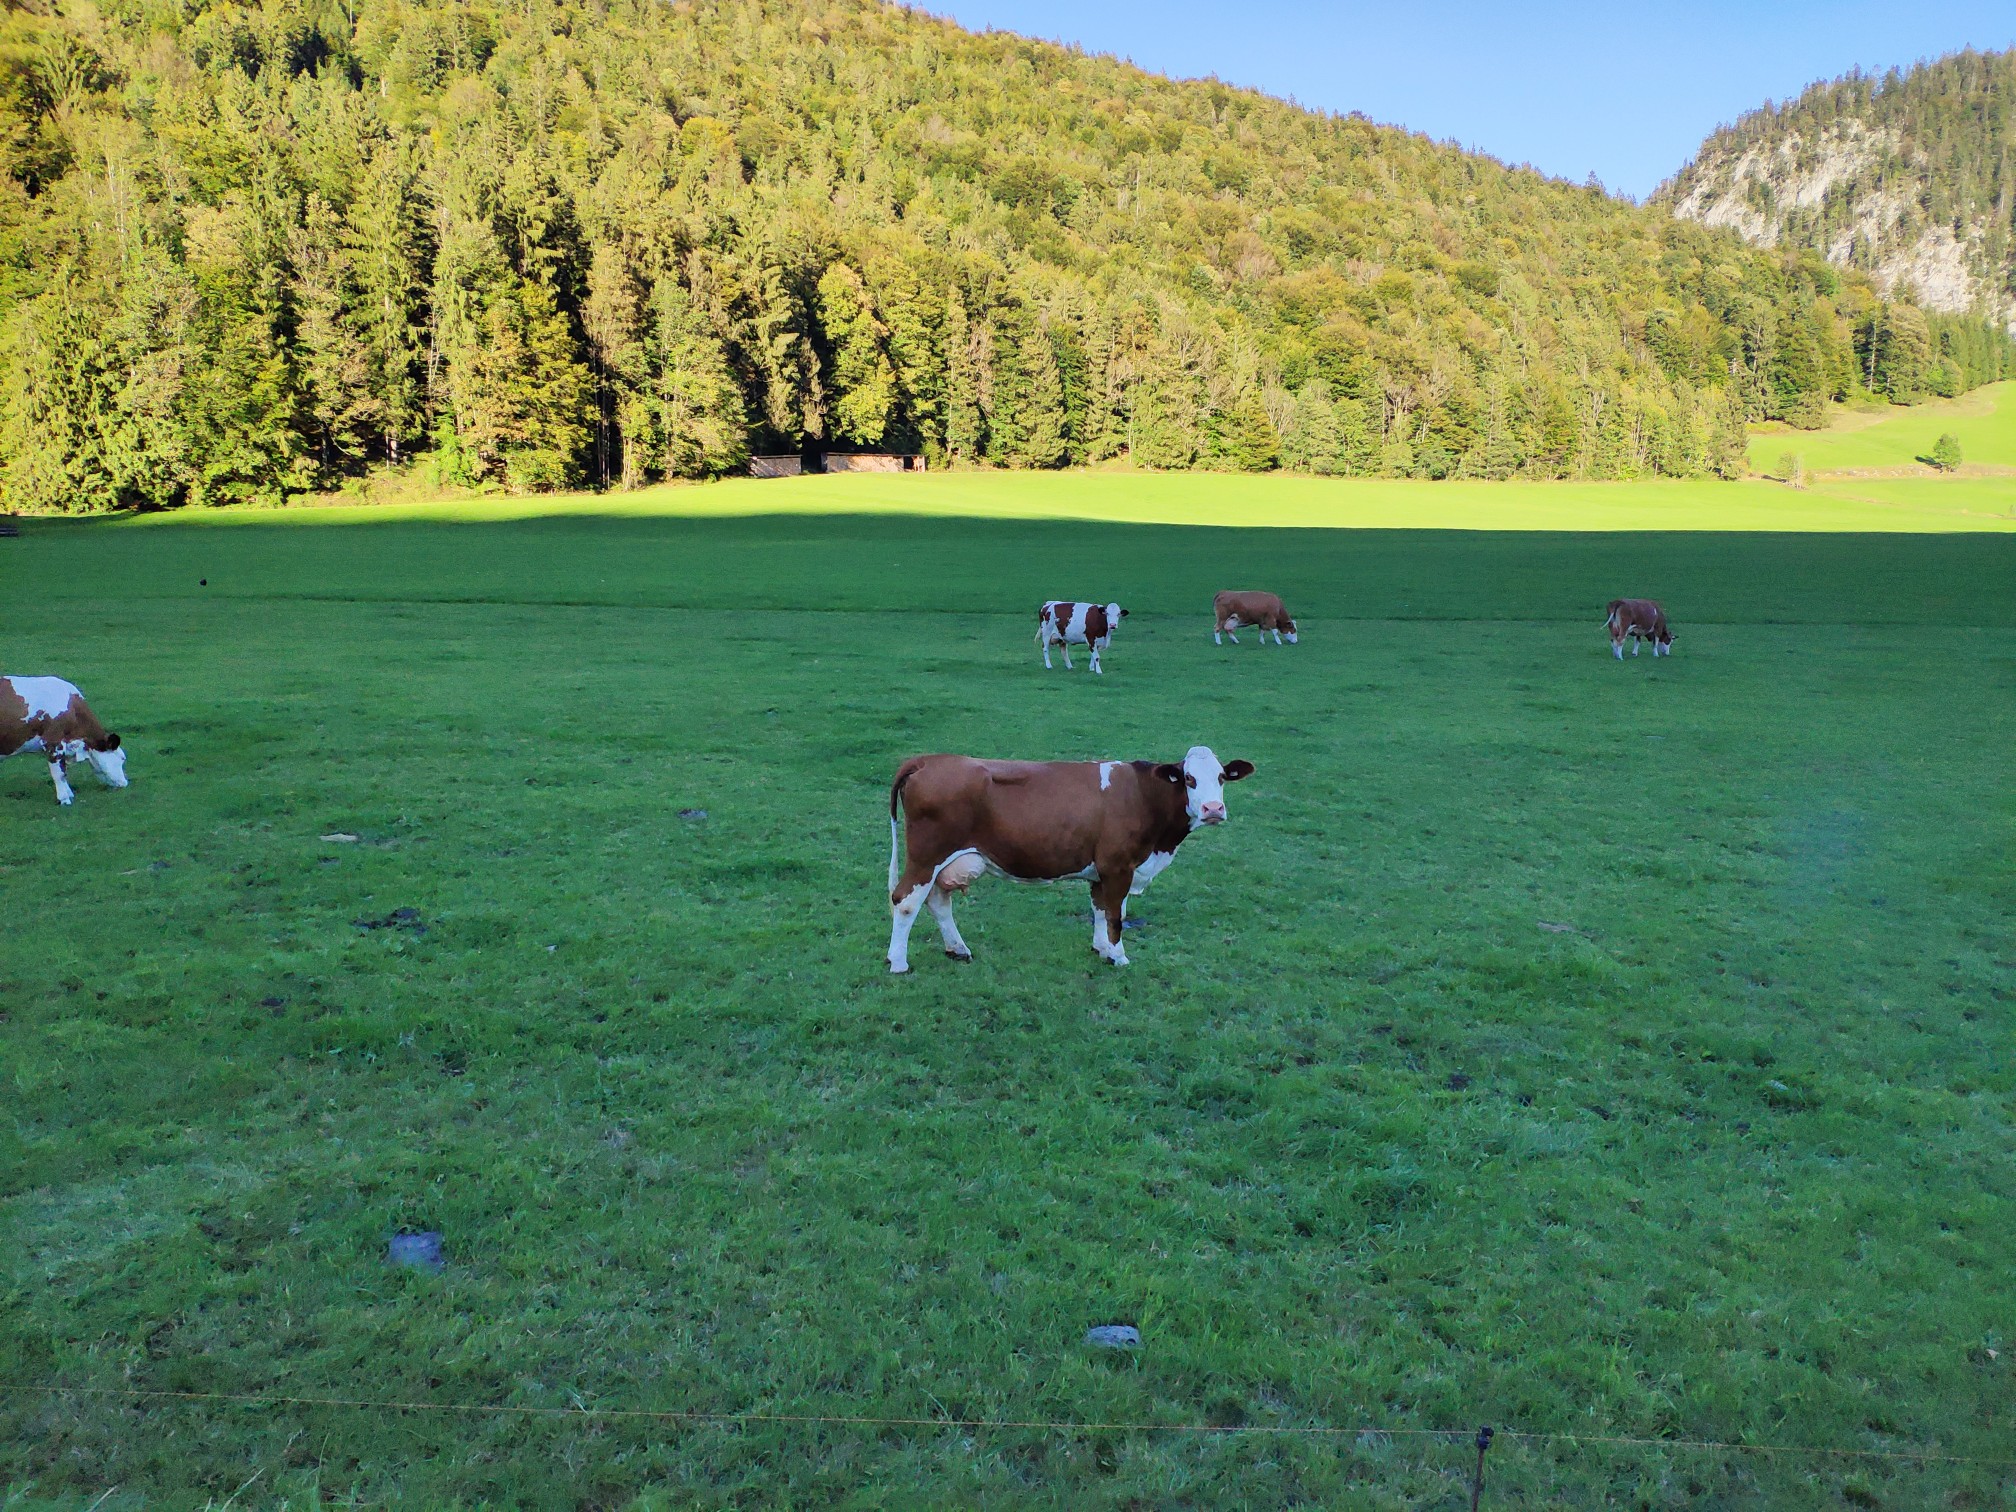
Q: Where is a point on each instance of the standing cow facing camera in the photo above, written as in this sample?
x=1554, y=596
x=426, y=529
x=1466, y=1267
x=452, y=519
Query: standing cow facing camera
x=1263, y=611
x=1061, y=622
x=49, y=715
x=1642, y=620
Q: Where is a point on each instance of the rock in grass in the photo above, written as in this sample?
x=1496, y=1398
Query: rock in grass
x=420, y=1251
x=694, y=815
x=1114, y=1336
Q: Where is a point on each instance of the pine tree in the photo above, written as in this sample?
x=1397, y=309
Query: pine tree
x=1796, y=379
x=335, y=368
x=1728, y=441
x=864, y=383
x=1243, y=438
x=613, y=319
x=691, y=408
x=383, y=247
x=1041, y=428
x=1312, y=442
x=963, y=434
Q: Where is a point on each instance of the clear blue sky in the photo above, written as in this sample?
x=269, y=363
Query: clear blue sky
x=1626, y=90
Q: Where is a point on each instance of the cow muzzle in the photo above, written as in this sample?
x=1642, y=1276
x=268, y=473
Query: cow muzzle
x=1211, y=813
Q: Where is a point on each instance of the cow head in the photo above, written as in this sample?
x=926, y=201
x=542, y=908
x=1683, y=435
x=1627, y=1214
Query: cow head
x=1114, y=614
x=108, y=760
x=1203, y=777
x=1288, y=630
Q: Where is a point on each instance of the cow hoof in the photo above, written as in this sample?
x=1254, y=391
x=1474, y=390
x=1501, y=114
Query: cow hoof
x=895, y=970
x=960, y=955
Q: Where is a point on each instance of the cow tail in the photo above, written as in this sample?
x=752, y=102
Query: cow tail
x=903, y=774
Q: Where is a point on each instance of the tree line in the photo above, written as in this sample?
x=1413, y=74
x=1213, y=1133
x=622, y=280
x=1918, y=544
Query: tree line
x=248, y=252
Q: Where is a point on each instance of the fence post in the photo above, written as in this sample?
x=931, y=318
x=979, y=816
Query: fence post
x=1477, y=1480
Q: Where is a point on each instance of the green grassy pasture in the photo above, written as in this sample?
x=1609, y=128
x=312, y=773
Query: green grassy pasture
x=1984, y=421
x=1271, y=500
x=1583, y=1048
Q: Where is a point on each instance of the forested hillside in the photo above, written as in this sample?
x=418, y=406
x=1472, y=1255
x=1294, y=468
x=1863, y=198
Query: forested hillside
x=1910, y=176
x=248, y=251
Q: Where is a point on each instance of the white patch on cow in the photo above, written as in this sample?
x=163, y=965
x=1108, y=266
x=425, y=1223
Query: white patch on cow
x=1231, y=622
x=63, y=793
x=1106, y=774
x=1204, y=776
x=1103, y=942
x=1217, y=639
x=45, y=696
x=1617, y=649
x=903, y=914
x=1149, y=870
x=110, y=766
x=32, y=743
x=1293, y=637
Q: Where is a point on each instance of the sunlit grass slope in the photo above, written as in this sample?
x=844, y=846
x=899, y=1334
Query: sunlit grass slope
x=1616, y=1050
x=1984, y=421
x=1275, y=501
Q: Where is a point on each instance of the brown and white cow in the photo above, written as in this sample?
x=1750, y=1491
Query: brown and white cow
x=1642, y=620
x=49, y=715
x=1115, y=824
x=1263, y=610
x=1060, y=622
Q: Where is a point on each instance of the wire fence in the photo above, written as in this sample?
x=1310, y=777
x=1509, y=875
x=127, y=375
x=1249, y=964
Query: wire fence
x=1483, y=1437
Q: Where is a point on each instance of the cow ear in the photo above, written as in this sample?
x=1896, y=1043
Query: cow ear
x=1169, y=771
x=1234, y=770
x=111, y=743
x=1124, y=613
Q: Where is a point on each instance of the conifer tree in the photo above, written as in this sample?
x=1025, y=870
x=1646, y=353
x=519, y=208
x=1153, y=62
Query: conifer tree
x=1040, y=425
x=963, y=437
x=864, y=383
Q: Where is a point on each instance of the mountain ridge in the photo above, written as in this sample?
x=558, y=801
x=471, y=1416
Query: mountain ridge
x=1909, y=176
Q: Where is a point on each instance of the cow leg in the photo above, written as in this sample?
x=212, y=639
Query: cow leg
x=1617, y=647
x=56, y=775
x=1065, y=647
x=1634, y=645
x=940, y=903
x=1109, y=915
x=1095, y=660
x=902, y=914
x=1046, y=654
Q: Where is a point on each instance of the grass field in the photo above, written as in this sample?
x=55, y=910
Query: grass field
x=1885, y=439
x=1273, y=500
x=1617, y=1051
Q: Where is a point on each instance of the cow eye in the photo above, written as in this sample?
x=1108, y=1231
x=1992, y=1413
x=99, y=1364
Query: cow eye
x=1189, y=781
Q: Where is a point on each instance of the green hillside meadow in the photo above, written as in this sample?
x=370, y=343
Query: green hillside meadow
x=1609, y=1053
x=1984, y=422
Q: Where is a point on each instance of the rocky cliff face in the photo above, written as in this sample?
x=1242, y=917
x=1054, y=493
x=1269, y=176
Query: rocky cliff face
x=1909, y=177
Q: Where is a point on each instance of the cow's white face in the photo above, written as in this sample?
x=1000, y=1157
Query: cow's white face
x=1114, y=614
x=1204, y=779
x=109, y=765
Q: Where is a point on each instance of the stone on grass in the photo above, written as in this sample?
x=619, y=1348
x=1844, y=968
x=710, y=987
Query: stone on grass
x=1114, y=1336
x=420, y=1251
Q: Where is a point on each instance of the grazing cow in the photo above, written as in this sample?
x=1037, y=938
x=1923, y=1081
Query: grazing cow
x=1262, y=609
x=49, y=715
x=1116, y=824
x=1061, y=622
x=1641, y=619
